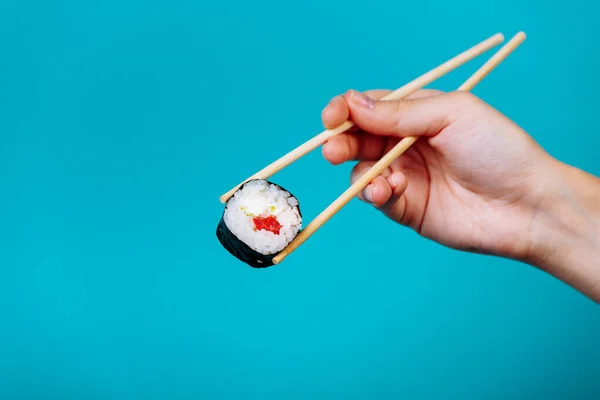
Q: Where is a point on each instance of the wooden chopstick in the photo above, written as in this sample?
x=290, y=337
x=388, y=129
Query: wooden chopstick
x=392, y=155
x=398, y=94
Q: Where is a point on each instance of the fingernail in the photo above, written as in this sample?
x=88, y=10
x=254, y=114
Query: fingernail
x=361, y=100
x=368, y=193
x=395, y=180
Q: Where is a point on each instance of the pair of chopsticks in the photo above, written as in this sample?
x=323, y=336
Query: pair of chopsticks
x=397, y=150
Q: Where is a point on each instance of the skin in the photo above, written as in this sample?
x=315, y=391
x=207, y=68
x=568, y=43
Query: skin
x=474, y=181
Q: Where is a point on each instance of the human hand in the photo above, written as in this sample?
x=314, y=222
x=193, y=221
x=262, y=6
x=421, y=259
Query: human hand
x=474, y=180
x=469, y=183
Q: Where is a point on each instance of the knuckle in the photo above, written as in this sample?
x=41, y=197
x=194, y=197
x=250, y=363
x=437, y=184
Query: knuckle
x=352, y=147
x=401, y=109
x=464, y=100
x=461, y=104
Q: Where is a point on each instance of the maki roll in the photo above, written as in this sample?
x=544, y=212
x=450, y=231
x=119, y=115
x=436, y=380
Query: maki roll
x=259, y=221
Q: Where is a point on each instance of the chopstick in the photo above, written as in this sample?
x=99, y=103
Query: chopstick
x=398, y=94
x=393, y=154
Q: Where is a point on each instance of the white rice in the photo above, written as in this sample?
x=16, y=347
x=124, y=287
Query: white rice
x=256, y=198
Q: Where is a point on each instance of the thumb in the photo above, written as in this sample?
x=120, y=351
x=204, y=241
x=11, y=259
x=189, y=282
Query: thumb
x=425, y=116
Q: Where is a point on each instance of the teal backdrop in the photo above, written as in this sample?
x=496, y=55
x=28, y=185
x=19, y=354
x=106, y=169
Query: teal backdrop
x=121, y=124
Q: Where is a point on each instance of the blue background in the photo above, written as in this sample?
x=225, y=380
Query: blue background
x=121, y=123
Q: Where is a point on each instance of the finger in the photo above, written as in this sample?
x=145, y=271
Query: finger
x=376, y=94
x=357, y=171
x=388, y=195
x=378, y=191
x=410, y=182
x=398, y=183
x=336, y=113
x=395, y=206
x=354, y=146
x=386, y=192
x=424, y=116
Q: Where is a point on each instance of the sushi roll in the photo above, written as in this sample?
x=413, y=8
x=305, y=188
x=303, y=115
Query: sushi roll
x=259, y=221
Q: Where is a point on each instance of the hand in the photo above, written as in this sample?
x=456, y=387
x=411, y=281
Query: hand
x=473, y=181
x=469, y=182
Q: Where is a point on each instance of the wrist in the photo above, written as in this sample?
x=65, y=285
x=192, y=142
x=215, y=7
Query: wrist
x=565, y=232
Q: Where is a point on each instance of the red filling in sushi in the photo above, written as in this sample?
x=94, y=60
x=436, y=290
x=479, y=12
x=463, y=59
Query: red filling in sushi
x=269, y=223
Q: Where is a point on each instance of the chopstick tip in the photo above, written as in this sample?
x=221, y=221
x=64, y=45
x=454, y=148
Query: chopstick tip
x=517, y=39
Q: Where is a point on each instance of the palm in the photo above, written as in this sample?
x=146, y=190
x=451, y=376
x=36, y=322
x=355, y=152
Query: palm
x=452, y=202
